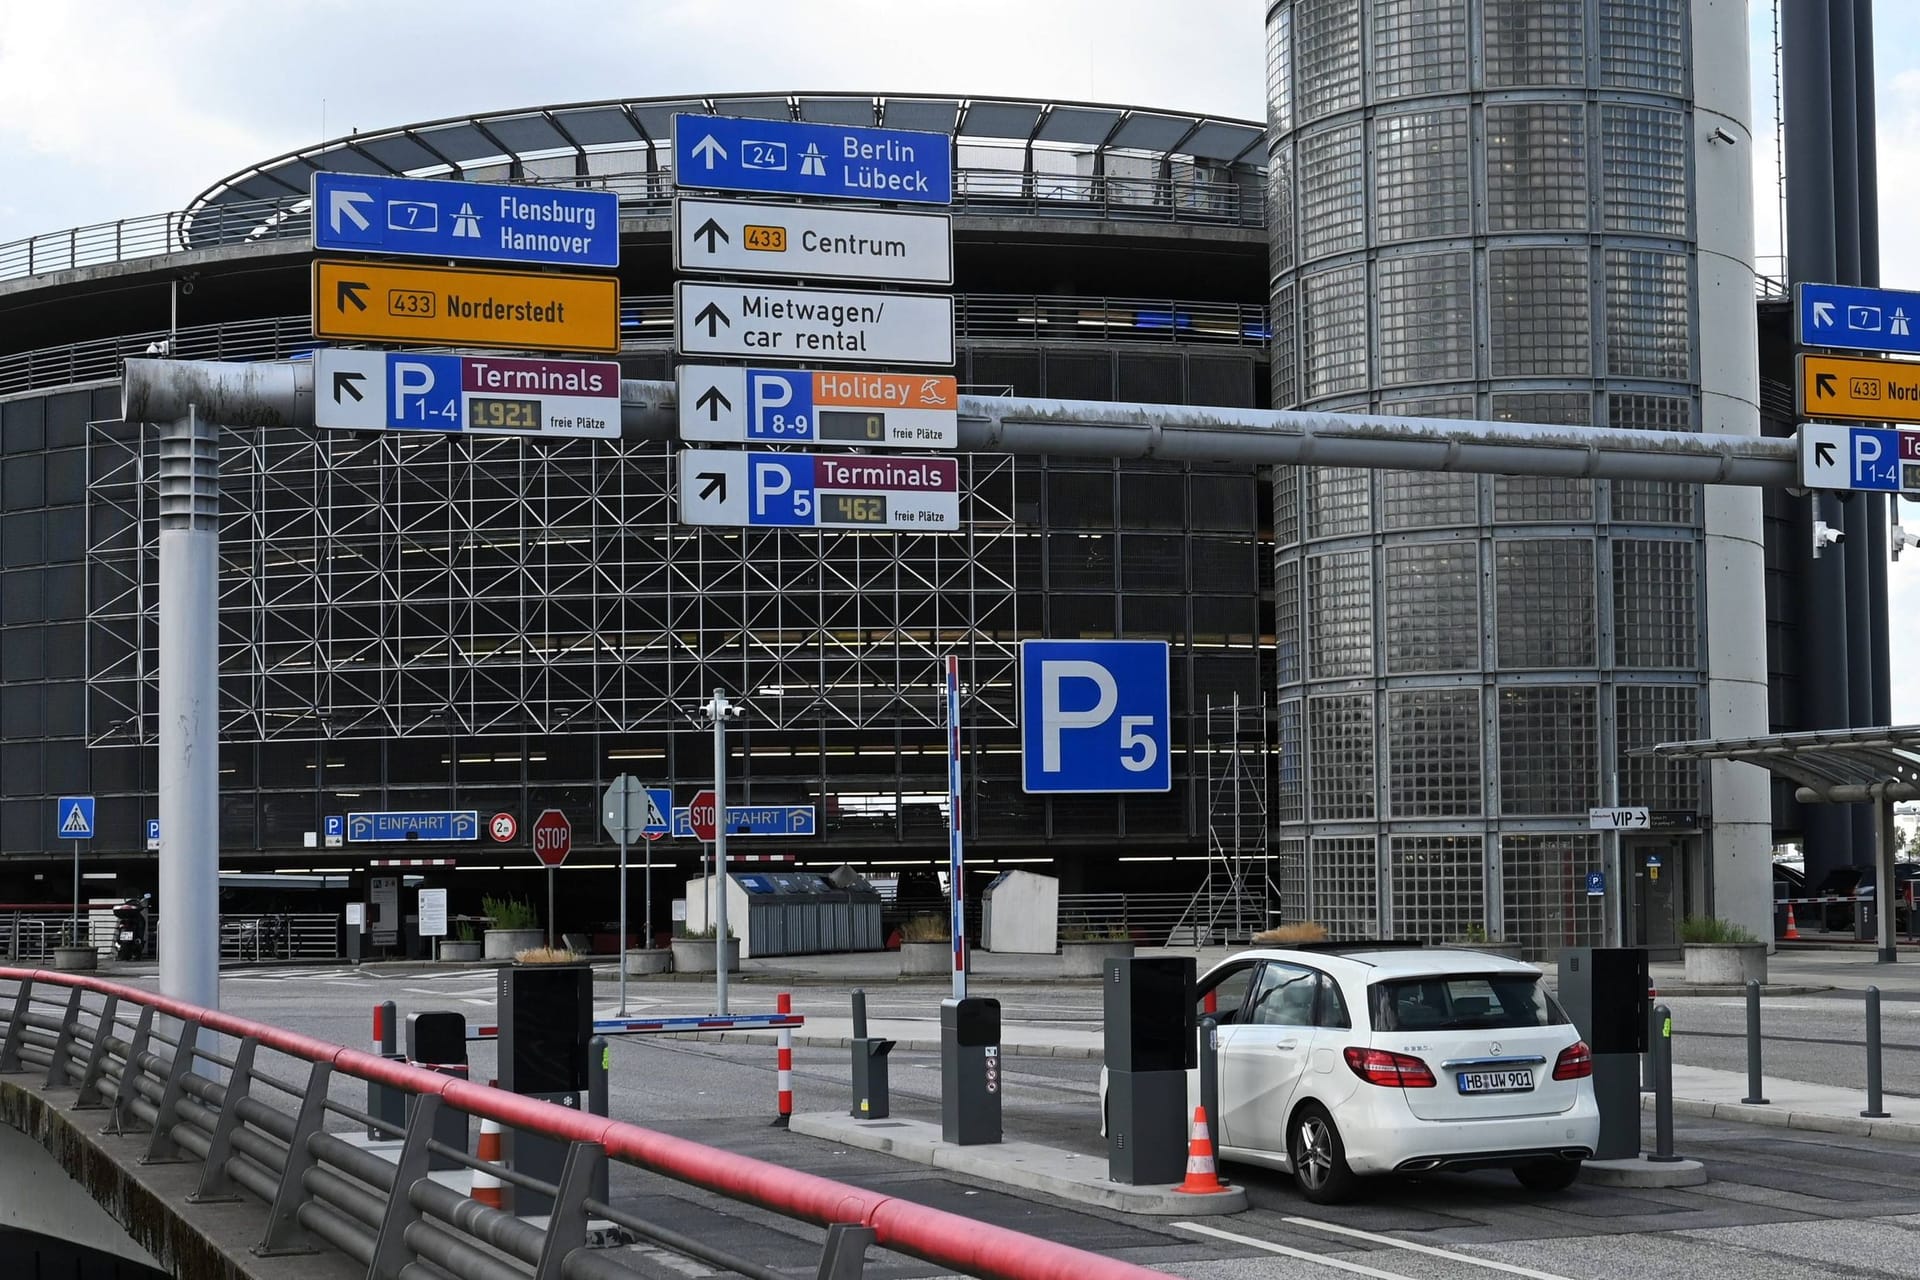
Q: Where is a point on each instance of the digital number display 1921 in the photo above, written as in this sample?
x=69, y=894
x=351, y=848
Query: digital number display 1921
x=503, y=415
x=853, y=508
x=856, y=425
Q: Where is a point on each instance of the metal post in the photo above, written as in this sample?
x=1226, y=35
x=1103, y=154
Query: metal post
x=956, y=858
x=1874, y=1111
x=859, y=1013
x=549, y=908
x=720, y=708
x=599, y=1064
x=189, y=710
x=620, y=947
x=1210, y=1078
x=783, y=1065
x=1886, y=893
x=1753, y=1097
x=75, y=939
x=1663, y=1086
x=1615, y=925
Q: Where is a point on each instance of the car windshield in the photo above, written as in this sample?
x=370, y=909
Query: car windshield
x=1462, y=1002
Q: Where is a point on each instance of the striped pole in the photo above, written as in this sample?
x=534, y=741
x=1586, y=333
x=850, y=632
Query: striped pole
x=783, y=1003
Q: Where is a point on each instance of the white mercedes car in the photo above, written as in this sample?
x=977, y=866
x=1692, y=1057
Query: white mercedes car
x=1340, y=1060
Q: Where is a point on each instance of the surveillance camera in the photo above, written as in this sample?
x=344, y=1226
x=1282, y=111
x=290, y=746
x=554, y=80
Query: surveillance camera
x=1824, y=535
x=157, y=348
x=1721, y=135
x=186, y=288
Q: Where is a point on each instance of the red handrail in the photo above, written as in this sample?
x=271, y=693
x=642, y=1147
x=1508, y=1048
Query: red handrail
x=945, y=1239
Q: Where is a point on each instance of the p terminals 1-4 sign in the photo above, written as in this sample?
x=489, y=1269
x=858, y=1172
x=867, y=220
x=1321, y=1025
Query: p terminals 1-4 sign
x=1095, y=716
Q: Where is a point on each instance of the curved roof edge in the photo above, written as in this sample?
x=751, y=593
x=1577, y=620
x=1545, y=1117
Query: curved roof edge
x=516, y=137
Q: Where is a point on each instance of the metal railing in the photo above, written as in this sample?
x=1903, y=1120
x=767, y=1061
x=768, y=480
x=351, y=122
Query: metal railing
x=1175, y=199
x=279, y=936
x=32, y=935
x=1153, y=919
x=263, y=1132
x=646, y=324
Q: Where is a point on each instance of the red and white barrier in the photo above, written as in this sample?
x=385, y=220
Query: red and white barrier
x=783, y=1004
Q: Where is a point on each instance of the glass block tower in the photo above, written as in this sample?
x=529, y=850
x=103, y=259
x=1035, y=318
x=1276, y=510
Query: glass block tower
x=1533, y=210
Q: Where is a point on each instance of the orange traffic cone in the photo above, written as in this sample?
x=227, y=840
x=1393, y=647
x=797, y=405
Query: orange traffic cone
x=486, y=1185
x=1201, y=1178
x=1793, y=930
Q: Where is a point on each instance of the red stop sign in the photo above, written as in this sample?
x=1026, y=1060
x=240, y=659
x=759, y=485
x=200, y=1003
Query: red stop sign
x=552, y=837
x=700, y=814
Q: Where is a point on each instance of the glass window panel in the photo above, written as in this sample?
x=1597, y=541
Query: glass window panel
x=1535, y=42
x=1549, y=750
x=1280, y=68
x=1439, y=887
x=1649, y=314
x=1334, y=331
x=1655, y=609
x=1332, y=192
x=1287, y=620
x=1340, y=618
x=1544, y=597
x=1652, y=714
x=1419, y=46
x=1643, y=170
x=1541, y=499
x=1326, y=52
x=1282, y=230
x=1433, y=753
x=1346, y=885
x=1433, y=610
x=1425, y=317
x=1341, y=726
x=1428, y=499
x=1290, y=774
x=1340, y=501
x=1536, y=166
x=1543, y=892
x=1422, y=184
x=1641, y=45
x=1540, y=307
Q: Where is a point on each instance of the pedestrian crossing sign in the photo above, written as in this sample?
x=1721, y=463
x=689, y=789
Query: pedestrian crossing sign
x=73, y=818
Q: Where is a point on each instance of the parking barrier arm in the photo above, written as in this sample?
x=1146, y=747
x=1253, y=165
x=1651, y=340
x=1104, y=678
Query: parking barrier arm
x=944, y=1239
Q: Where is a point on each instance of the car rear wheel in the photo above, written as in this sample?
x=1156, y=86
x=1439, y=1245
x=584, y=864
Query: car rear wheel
x=1547, y=1175
x=1319, y=1157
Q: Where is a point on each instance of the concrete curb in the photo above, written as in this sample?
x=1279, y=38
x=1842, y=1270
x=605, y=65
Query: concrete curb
x=1643, y=1172
x=1777, y=1118
x=1025, y=1165
x=1717, y=989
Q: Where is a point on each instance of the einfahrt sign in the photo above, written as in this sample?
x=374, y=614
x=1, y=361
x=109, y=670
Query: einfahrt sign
x=552, y=837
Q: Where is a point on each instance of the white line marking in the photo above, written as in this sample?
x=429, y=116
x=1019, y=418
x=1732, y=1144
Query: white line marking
x=482, y=1003
x=1322, y=1259
x=1397, y=1243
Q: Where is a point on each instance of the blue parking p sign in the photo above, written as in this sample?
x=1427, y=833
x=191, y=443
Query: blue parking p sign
x=1095, y=716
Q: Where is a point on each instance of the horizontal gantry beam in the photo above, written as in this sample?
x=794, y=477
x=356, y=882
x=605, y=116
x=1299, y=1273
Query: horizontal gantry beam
x=281, y=394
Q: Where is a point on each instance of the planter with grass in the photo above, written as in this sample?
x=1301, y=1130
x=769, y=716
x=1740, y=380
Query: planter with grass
x=694, y=952
x=1084, y=952
x=926, y=947
x=75, y=959
x=515, y=928
x=647, y=961
x=1720, y=954
x=464, y=947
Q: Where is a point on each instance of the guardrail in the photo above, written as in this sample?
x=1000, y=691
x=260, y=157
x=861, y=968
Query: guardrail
x=1149, y=918
x=321, y=1189
x=975, y=190
x=276, y=936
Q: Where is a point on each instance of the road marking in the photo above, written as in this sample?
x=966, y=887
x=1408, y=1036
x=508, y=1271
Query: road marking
x=1322, y=1259
x=1397, y=1243
x=469, y=1000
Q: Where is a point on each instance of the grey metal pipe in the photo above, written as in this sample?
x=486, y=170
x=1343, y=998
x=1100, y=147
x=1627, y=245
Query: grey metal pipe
x=192, y=1141
x=337, y=1229
x=438, y=1245
x=490, y=1226
x=859, y=1013
x=681, y=1243
x=250, y=1175
x=261, y=1149
x=1663, y=1086
x=261, y=1116
x=1753, y=1097
x=345, y=1195
x=1210, y=1078
x=356, y=1162
x=1874, y=1111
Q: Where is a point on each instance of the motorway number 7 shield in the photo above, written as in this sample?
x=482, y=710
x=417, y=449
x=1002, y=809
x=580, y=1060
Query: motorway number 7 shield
x=1095, y=716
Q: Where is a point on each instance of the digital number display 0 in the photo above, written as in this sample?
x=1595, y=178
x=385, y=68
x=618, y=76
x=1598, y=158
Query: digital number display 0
x=854, y=508
x=503, y=415
x=853, y=425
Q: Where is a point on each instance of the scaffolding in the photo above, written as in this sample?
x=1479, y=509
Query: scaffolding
x=1233, y=901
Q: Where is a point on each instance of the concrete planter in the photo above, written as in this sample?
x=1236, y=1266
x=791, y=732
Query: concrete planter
x=76, y=959
x=1088, y=959
x=926, y=959
x=1726, y=964
x=641, y=964
x=501, y=944
x=695, y=955
x=458, y=952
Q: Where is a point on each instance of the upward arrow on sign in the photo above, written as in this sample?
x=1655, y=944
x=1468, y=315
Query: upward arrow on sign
x=709, y=150
x=713, y=317
x=713, y=402
x=714, y=234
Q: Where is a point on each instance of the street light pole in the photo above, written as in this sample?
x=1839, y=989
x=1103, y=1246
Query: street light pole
x=720, y=709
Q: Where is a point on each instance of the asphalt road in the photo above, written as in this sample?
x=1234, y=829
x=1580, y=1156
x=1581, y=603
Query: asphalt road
x=1780, y=1203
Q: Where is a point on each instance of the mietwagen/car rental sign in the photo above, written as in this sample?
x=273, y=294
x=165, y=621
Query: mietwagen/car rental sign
x=552, y=837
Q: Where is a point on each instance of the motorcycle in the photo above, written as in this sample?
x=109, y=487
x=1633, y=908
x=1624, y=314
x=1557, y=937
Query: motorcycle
x=133, y=929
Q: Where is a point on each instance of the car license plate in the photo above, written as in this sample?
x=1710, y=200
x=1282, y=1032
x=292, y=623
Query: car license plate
x=1495, y=1081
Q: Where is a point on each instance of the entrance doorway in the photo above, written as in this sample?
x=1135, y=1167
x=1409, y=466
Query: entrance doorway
x=1658, y=867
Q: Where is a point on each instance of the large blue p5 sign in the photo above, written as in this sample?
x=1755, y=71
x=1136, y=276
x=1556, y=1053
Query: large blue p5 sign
x=1094, y=716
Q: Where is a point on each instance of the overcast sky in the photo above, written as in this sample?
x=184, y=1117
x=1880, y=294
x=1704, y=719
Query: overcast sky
x=111, y=109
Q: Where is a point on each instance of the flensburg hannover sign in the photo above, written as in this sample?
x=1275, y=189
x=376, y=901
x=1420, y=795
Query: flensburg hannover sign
x=482, y=221
x=818, y=491
x=478, y=395
x=801, y=406
x=794, y=158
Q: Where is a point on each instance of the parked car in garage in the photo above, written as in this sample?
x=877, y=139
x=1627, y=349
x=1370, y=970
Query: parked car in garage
x=1337, y=1061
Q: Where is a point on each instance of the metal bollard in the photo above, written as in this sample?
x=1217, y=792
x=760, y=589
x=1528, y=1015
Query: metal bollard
x=599, y=1065
x=1753, y=1097
x=1210, y=1077
x=859, y=1013
x=1874, y=1111
x=1661, y=1051
x=384, y=1103
x=783, y=1063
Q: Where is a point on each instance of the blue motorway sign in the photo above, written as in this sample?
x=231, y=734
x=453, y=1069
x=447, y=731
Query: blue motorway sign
x=1095, y=716
x=73, y=818
x=482, y=221
x=423, y=824
x=790, y=158
x=755, y=820
x=1849, y=318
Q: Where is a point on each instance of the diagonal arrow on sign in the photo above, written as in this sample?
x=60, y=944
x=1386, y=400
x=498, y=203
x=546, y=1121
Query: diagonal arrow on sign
x=1823, y=315
x=716, y=483
x=1823, y=386
x=347, y=202
x=349, y=383
x=1823, y=453
x=349, y=291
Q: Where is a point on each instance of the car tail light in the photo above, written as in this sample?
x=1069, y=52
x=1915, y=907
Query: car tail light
x=1377, y=1066
x=1575, y=1062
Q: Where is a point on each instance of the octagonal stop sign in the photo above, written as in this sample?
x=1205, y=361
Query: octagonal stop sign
x=700, y=815
x=552, y=837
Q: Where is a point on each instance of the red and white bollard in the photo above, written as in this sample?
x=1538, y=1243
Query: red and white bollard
x=783, y=1003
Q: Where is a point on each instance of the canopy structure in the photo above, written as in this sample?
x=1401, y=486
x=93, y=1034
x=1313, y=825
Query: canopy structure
x=1876, y=766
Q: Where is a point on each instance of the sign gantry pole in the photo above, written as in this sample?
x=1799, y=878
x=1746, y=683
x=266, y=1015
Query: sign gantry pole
x=720, y=709
x=956, y=859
